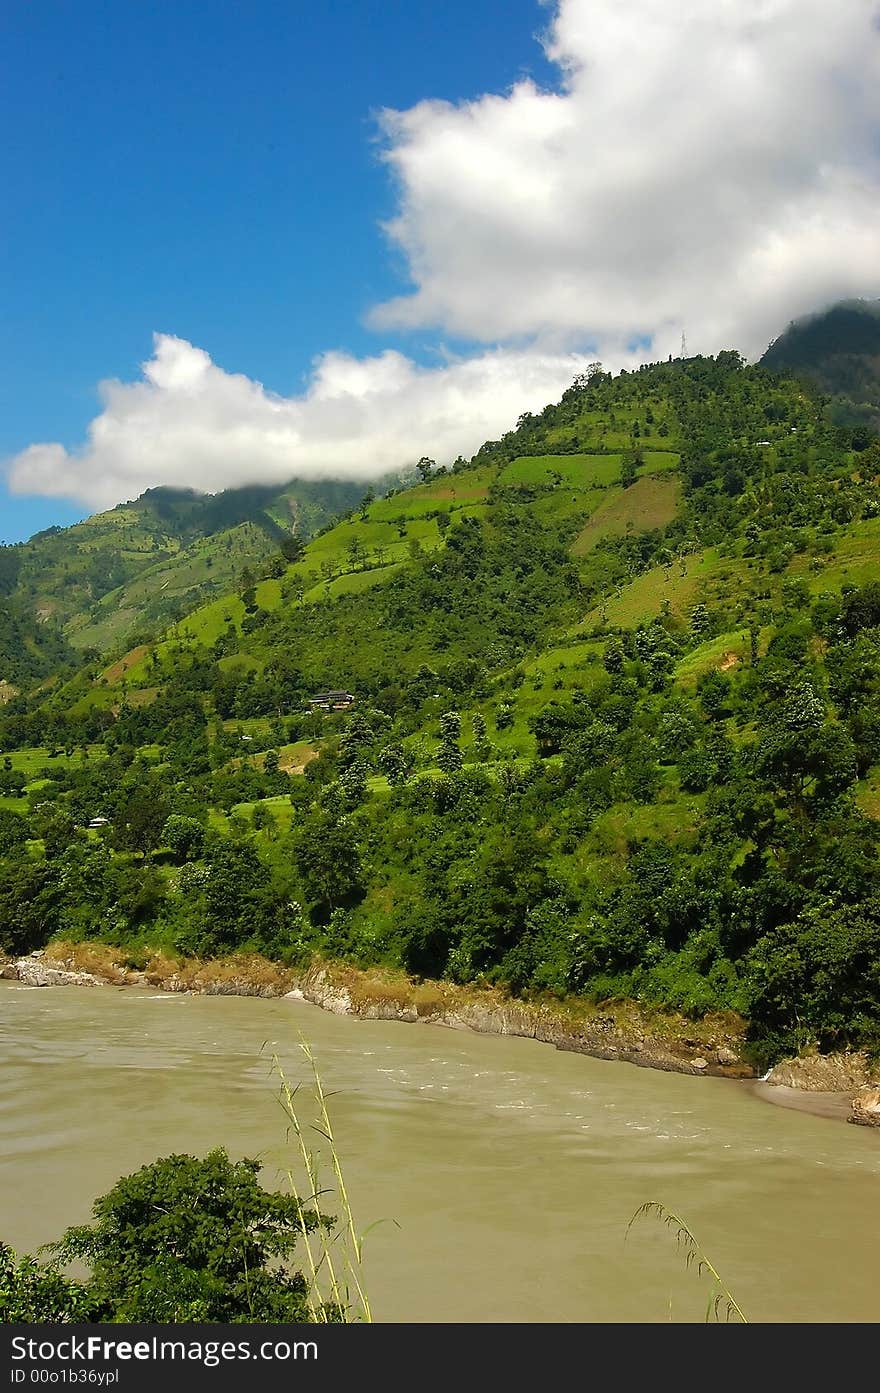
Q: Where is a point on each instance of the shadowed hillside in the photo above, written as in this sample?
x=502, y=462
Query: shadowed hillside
x=838, y=351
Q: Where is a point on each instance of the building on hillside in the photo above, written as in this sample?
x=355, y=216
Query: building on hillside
x=330, y=701
x=99, y=822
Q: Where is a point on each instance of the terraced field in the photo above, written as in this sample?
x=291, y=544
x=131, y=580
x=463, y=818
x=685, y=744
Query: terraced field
x=649, y=502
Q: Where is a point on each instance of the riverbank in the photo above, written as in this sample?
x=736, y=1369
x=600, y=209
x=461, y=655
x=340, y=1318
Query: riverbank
x=840, y=1086
x=624, y=1030
x=836, y=1105
x=822, y=1085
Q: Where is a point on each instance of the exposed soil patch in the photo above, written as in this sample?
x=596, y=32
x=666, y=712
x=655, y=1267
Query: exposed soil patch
x=824, y=1073
x=294, y=761
x=117, y=670
x=143, y=696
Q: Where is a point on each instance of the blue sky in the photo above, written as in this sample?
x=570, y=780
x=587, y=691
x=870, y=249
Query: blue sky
x=210, y=171
x=193, y=192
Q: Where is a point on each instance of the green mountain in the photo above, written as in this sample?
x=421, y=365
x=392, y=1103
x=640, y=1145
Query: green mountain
x=614, y=730
x=839, y=352
x=128, y=572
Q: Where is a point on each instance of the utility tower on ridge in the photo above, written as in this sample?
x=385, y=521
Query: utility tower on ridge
x=684, y=346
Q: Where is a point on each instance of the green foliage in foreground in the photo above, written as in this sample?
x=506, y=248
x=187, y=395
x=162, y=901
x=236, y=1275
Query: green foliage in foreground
x=181, y=1240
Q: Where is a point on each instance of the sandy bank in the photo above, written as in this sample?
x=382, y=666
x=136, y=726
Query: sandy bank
x=836, y=1106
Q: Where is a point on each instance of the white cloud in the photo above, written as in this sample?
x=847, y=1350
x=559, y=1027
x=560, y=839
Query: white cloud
x=187, y=422
x=713, y=165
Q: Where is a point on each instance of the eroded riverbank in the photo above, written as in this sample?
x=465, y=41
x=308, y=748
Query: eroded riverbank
x=609, y=1031
x=822, y=1085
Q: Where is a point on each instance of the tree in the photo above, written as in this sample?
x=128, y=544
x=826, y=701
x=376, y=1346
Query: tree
x=819, y=978
x=292, y=549
x=30, y=905
x=184, y=837
x=262, y=819
x=629, y=466
x=353, y=781
x=394, y=763
x=808, y=764
x=503, y=715
x=449, y=757
x=555, y=721
x=355, y=741
x=242, y=902
x=426, y=467
x=13, y=831
x=450, y=726
x=700, y=622
x=482, y=747
x=368, y=498
x=139, y=819
x=328, y=859
x=181, y=1240
x=614, y=656
x=356, y=553
x=594, y=374
x=32, y=1292
x=676, y=733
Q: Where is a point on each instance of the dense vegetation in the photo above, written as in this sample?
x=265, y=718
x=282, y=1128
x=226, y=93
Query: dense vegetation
x=616, y=727
x=181, y=1240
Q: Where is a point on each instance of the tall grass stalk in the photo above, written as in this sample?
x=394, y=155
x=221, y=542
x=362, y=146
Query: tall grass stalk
x=334, y=1255
x=720, y=1297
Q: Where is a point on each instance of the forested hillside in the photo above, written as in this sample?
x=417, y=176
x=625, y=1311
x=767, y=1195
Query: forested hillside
x=615, y=726
x=129, y=572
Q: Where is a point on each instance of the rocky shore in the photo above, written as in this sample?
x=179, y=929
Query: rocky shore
x=842, y=1086
x=613, y=1031
x=828, y=1085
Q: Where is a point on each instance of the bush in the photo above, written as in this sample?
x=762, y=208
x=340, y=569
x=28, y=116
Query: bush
x=180, y=1240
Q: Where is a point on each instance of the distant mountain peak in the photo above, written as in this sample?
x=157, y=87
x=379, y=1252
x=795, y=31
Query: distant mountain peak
x=838, y=350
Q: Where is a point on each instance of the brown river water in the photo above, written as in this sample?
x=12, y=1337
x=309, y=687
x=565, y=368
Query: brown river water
x=509, y=1169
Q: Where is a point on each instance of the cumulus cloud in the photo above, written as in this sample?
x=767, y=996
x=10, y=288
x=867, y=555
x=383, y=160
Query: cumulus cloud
x=187, y=422
x=714, y=166
x=707, y=166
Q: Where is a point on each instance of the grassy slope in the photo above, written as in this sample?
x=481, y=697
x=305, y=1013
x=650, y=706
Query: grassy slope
x=212, y=562
x=140, y=562
x=649, y=502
